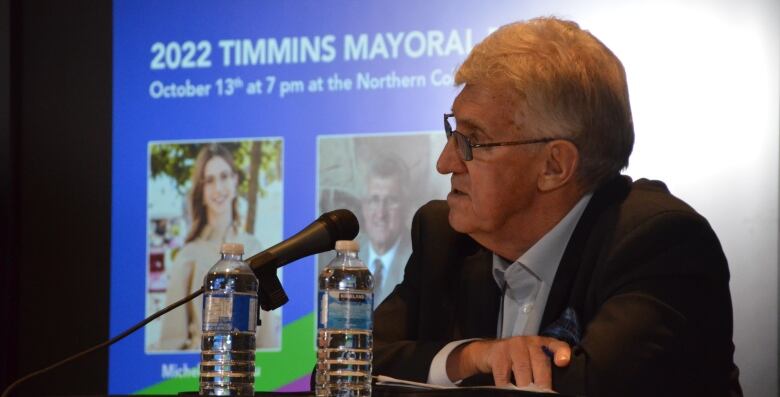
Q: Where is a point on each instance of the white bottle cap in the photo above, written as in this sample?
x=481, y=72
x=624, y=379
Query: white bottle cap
x=232, y=248
x=347, y=246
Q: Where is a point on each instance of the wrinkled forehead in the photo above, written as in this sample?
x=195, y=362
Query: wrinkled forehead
x=483, y=103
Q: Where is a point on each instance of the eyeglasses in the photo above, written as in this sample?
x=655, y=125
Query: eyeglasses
x=465, y=146
x=375, y=201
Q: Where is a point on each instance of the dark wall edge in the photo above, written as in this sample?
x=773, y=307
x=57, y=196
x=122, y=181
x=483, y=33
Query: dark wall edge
x=61, y=182
x=8, y=273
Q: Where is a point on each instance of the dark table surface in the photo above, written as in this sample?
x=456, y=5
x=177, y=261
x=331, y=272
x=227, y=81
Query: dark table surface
x=391, y=391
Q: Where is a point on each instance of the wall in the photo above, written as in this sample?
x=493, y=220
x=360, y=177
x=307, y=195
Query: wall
x=61, y=107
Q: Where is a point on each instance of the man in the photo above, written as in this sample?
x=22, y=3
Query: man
x=545, y=265
x=384, y=207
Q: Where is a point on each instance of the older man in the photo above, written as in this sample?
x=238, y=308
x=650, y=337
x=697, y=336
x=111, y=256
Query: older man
x=545, y=265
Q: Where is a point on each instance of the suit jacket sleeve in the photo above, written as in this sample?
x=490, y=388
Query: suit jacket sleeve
x=448, y=293
x=399, y=350
x=657, y=314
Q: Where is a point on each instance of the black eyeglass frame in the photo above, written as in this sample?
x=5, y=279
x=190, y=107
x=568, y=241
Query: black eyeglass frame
x=465, y=145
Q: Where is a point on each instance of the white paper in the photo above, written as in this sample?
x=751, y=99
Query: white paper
x=390, y=381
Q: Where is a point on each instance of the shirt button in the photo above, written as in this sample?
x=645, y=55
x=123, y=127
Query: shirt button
x=526, y=308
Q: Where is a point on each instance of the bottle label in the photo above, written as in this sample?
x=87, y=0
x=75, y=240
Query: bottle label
x=233, y=312
x=346, y=309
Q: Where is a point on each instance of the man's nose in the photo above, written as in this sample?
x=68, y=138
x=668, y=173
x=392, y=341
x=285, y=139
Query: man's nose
x=449, y=160
x=384, y=209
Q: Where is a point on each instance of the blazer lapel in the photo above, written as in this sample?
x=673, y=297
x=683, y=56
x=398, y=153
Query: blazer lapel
x=573, y=275
x=477, y=297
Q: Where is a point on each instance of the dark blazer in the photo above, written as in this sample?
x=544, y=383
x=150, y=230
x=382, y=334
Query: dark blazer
x=644, y=273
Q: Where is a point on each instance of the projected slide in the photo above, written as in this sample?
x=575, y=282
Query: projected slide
x=242, y=122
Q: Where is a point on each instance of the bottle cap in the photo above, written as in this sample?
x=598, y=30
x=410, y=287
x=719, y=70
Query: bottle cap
x=347, y=246
x=232, y=248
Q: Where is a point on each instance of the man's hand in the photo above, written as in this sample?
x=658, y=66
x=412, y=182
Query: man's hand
x=522, y=356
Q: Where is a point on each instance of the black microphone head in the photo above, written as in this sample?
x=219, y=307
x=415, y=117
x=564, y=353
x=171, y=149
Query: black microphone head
x=341, y=224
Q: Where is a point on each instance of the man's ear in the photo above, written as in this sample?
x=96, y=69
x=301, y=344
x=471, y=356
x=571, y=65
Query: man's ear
x=561, y=163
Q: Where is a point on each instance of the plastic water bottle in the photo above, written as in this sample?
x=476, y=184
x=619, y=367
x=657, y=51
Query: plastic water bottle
x=227, y=366
x=345, y=339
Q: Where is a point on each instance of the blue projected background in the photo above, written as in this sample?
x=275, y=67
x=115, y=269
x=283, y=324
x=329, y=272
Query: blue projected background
x=194, y=73
x=307, y=95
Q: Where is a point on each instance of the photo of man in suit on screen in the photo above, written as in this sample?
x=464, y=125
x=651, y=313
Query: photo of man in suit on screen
x=380, y=178
x=385, y=246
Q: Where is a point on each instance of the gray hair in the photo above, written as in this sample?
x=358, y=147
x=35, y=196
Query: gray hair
x=571, y=85
x=389, y=165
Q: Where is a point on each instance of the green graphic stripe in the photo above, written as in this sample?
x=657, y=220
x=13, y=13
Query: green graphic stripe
x=277, y=369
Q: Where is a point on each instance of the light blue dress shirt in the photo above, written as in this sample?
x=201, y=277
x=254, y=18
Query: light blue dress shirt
x=526, y=284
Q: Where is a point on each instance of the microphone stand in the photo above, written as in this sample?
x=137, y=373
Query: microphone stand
x=271, y=296
x=338, y=224
x=109, y=342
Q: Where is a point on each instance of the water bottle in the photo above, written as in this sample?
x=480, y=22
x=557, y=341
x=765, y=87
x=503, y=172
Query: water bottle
x=344, y=337
x=227, y=360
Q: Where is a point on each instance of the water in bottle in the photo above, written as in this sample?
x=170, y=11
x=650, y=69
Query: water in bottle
x=344, y=338
x=227, y=366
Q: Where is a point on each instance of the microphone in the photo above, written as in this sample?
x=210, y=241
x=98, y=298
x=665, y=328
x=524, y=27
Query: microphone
x=320, y=236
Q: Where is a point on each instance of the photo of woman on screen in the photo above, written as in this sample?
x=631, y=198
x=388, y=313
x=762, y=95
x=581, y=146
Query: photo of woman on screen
x=212, y=204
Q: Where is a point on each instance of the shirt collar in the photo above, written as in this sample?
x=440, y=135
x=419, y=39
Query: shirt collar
x=543, y=258
x=387, y=258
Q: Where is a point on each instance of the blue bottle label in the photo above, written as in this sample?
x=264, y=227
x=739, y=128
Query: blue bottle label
x=346, y=310
x=233, y=312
